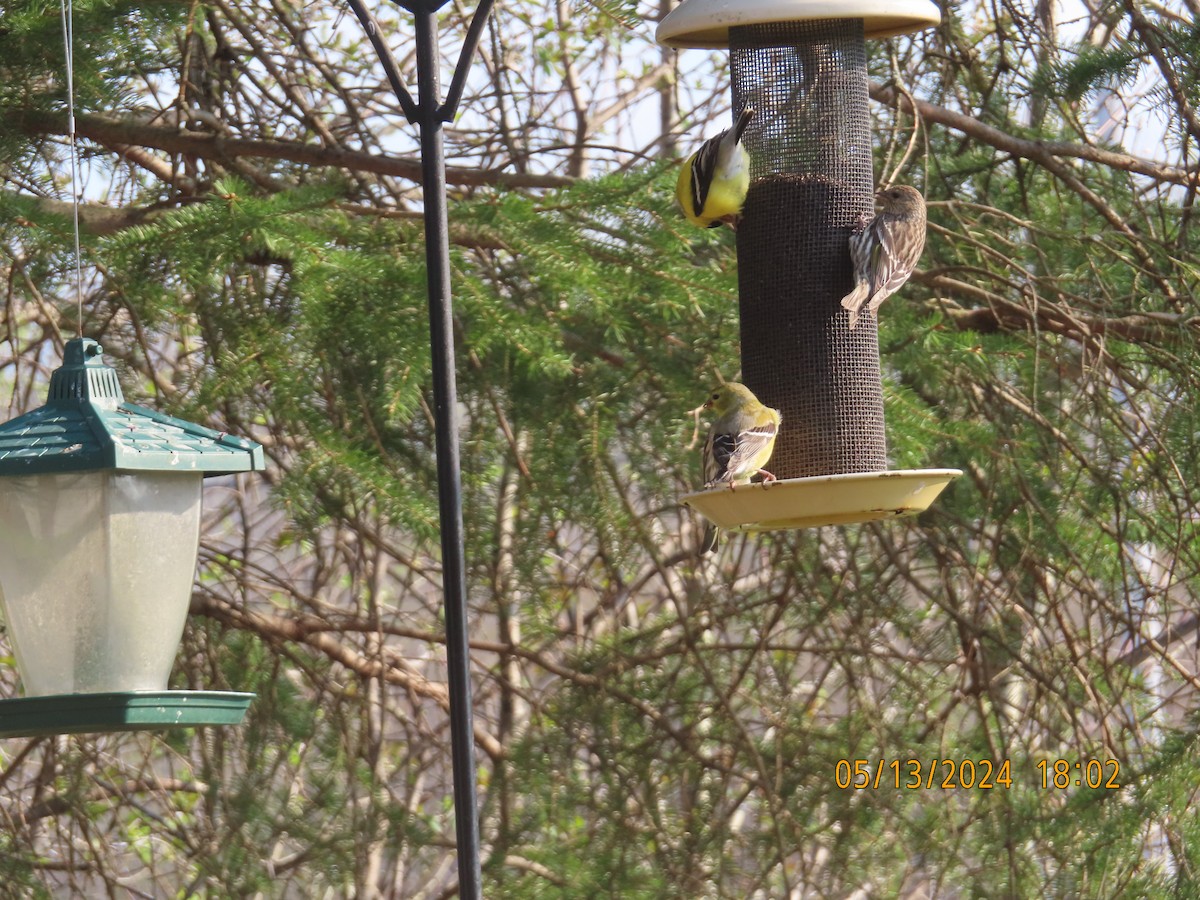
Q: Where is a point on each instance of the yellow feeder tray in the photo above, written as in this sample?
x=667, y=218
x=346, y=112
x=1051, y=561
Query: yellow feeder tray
x=821, y=499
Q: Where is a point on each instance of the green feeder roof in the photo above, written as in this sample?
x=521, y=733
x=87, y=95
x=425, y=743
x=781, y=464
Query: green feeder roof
x=86, y=424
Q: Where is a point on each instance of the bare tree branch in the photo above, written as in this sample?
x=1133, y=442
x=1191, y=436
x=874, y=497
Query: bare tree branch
x=1042, y=152
x=110, y=131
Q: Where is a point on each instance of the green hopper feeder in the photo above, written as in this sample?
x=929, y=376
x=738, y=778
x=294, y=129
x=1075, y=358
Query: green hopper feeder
x=99, y=533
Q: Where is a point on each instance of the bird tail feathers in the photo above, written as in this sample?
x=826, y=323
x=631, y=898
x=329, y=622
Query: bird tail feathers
x=854, y=300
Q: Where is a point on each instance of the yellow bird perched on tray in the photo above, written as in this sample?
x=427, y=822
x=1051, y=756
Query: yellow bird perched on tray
x=739, y=444
x=714, y=180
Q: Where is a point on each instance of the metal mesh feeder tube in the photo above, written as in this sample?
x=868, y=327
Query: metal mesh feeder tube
x=802, y=68
x=811, y=184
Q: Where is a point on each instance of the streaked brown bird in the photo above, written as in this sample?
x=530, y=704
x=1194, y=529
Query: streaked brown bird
x=886, y=251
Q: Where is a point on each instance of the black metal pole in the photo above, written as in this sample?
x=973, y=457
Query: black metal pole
x=445, y=398
x=428, y=113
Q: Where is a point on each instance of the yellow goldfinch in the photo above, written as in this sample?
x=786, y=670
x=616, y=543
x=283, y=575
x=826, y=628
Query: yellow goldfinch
x=714, y=180
x=739, y=443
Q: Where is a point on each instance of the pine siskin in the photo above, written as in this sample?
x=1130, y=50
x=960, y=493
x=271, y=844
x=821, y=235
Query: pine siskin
x=885, y=253
x=739, y=444
x=714, y=180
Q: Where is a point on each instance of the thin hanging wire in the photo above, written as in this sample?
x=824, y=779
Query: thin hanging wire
x=68, y=27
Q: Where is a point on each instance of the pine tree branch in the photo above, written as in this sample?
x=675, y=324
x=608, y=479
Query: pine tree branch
x=1170, y=634
x=97, y=219
x=111, y=131
x=1049, y=155
x=324, y=635
x=94, y=218
x=1000, y=314
x=57, y=804
x=1150, y=37
x=302, y=631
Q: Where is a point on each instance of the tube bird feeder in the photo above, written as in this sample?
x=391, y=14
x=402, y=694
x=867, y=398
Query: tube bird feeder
x=802, y=66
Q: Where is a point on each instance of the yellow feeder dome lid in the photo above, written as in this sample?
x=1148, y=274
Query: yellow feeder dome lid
x=706, y=23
